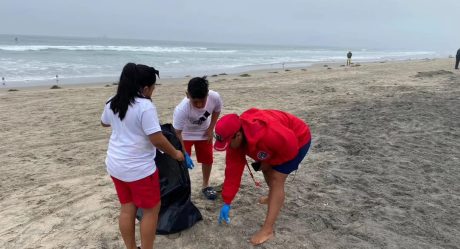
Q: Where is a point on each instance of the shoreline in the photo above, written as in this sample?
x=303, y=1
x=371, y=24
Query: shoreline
x=78, y=82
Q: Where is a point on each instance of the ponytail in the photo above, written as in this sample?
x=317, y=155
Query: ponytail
x=133, y=79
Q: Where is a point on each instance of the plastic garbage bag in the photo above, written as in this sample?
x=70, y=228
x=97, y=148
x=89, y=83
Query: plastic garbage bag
x=177, y=211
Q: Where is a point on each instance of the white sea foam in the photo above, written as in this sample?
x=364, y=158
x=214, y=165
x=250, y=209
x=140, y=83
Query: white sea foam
x=42, y=58
x=154, y=49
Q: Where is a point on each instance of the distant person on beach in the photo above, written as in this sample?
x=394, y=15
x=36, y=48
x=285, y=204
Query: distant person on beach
x=457, y=59
x=136, y=133
x=349, y=54
x=3, y=80
x=194, y=120
x=277, y=141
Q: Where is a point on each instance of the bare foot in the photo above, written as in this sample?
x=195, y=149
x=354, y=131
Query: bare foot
x=261, y=236
x=263, y=200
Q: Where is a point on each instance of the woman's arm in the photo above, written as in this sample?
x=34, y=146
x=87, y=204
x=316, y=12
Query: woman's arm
x=160, y=141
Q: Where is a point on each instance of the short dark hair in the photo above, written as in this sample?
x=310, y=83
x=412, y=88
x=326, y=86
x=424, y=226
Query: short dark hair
x=198, y=88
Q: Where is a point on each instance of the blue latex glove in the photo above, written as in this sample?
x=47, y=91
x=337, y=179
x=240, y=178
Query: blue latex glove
x=224, y=214
x=189, y=161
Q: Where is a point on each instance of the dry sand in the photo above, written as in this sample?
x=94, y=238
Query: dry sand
x=383, y=171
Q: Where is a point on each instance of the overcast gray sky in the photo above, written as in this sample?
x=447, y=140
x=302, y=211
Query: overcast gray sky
x=393, y=24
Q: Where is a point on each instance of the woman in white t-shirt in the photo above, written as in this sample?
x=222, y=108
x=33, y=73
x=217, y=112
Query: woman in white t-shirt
x=136, y=133
x=194, y=120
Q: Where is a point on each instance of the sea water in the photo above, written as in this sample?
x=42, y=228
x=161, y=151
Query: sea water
x=43, y=60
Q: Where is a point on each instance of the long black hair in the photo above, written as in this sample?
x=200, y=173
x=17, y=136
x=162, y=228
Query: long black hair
x=133, y=79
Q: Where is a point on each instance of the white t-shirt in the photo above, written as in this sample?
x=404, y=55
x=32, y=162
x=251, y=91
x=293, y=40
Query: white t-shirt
x=131, y=155
x=194, y=122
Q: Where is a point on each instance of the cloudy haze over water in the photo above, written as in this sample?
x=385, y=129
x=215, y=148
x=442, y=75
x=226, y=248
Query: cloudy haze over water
x=378, y=24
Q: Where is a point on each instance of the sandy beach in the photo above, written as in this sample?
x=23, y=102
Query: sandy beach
x=383, y=171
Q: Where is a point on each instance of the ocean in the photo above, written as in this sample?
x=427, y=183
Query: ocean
x=42, y=60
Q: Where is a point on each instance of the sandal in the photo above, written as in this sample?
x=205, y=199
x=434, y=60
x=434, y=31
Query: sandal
x=209, y=193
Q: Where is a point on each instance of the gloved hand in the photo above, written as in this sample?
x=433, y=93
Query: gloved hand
x=189, y=161
x=224, y=214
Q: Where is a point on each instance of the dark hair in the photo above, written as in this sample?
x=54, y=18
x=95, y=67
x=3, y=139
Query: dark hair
x=198, y=87
x=133, y=79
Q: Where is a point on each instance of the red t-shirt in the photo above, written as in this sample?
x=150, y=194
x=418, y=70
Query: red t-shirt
x=272, y=136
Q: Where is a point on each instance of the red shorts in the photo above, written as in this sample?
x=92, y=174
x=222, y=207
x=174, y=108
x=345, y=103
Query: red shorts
x=203, y=151
x=144, y=193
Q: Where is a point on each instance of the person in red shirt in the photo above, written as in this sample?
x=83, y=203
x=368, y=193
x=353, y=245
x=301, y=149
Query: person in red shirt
x=278, y=141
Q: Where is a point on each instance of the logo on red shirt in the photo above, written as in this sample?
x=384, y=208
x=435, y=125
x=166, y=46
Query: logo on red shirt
x=262, y=155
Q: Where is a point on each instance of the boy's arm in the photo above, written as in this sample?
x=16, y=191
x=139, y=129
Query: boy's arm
x=188, y=160
x=179, y=135
x=235, y=160
x=178, y=124
x=212, y=125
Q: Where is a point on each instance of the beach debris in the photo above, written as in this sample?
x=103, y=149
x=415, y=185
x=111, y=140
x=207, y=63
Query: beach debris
x=222, y=74
x=303, y=69
x=13, y=90
x=329, y=68
x=287, y=70
x=214, y=75
x=187, y=76
x=55, y=87
x=356, y=65
x=115, y=83
x=107, y=85
x=433, y=73
x=273, y=72
x=325, y=65
x=245, y=75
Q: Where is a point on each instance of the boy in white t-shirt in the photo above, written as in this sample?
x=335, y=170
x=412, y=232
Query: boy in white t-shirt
x=194, y=120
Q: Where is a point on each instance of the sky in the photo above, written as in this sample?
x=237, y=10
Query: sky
x=382, y=24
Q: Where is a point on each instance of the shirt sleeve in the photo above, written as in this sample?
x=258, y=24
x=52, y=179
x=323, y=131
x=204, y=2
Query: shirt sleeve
x=179, y=118
x=235, y=160
x=150, y=122
x=281, y=145
x=218, y=103
x=105, y=117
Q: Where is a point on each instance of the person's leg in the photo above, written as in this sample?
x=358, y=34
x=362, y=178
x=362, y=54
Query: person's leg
x=146, y=195
x=127, y=212
x=126, y=224
x=206, y=168
x=148, y=226
x=275, y=202
x=204, y=155
x=264, y=199
x=457, y=62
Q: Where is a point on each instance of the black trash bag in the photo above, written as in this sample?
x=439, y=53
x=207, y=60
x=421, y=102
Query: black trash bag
x=177, y=211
